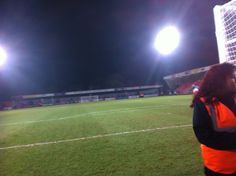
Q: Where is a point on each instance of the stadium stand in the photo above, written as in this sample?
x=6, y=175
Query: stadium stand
x=182, y=83
x=37, y=100
x=186, y=88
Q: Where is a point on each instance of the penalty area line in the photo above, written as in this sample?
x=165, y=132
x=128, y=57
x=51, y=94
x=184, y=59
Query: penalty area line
x=94, y=137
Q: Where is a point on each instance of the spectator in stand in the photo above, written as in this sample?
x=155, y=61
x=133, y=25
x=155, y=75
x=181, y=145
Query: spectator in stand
x=195, y=89
x=214, y=120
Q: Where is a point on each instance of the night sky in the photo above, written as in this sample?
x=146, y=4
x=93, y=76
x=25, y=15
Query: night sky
x=66, y=45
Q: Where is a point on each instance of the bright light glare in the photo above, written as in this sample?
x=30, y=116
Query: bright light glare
x=167, y=40
x=3, y=56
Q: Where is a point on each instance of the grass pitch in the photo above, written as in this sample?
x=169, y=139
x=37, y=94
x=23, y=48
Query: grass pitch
x=135, y=137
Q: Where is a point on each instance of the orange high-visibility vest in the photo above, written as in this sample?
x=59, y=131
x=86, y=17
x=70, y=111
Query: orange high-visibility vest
x=224, y=120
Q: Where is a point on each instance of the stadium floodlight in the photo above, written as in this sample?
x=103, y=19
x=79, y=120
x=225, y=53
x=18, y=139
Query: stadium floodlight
x=3, y=56
x=167, y=40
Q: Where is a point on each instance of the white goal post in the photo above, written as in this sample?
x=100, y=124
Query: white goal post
x=225, y=25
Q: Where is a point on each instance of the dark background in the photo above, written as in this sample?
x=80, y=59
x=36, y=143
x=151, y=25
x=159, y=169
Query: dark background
x=65, y=45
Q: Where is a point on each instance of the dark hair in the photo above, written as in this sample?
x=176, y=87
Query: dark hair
x=214, y=83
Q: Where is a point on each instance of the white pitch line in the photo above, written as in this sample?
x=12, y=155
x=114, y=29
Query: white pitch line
x=93, y=137
x=97, y=113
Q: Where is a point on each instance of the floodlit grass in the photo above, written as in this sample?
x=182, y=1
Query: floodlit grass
x=164, y=152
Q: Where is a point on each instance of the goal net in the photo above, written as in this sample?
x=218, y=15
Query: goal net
x=225, y=24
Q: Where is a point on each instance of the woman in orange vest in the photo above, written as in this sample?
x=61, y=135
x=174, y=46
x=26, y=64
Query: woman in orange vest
x=214, y=120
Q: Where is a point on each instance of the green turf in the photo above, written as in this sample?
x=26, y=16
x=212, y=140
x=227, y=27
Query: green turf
x=162, y=152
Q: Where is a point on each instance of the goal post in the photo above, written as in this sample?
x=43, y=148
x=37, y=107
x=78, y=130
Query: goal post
x=225, y=26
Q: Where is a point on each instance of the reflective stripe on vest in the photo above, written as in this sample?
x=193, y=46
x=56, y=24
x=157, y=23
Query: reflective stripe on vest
x=224, y=120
